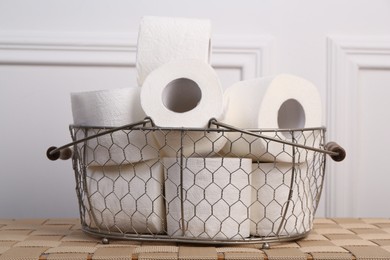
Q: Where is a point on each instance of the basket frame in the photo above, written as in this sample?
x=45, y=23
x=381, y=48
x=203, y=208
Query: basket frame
x=81, y=180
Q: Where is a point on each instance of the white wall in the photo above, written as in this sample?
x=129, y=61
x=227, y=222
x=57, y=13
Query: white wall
x=51, y=48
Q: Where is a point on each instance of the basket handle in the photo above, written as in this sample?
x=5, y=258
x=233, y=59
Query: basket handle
x=54, y=154
x=65, y=152
x=334, y=150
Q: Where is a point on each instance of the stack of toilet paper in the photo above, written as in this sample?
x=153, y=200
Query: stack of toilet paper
x=181, y=180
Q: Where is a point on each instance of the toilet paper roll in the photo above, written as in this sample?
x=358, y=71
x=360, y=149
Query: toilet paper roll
x=184, y=93
x=165, y=39
x=214, y=197
x=271, y=191
x=112, y=108
x=188, y=143
x=126, y=198
x=280, y=102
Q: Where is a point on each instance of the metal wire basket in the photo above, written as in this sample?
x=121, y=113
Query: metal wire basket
x=219, y=185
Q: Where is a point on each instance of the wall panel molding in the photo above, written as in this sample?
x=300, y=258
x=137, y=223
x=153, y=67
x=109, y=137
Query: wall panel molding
x=72, y=49
x=250, y=54
x=346, y=56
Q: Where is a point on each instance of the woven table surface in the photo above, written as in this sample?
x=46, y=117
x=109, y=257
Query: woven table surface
x=62, y=239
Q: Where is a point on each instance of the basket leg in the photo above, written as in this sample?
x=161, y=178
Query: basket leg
x=266, y=246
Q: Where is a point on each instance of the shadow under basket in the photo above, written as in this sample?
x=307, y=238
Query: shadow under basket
x=218, y=185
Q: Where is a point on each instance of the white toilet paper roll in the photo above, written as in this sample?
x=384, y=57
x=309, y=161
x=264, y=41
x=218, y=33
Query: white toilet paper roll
x=165, y=39
x=193, y=143
x=112, y=108
x=280, y=102
x=126, y=198
x=271, y=190
x=184, y=93
x=215, y=195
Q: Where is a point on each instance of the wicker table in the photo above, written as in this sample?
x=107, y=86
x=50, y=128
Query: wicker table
x=63, y=239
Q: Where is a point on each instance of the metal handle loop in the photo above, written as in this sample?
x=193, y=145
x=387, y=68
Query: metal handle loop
x=54, y=153
x=336, y=152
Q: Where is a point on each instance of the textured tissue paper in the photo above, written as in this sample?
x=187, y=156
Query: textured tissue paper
x=184, y=93
x=165, y=39
x=214, y=197
x=271, y=190
x=279, y=102
x=112, y=108
x=126, y=198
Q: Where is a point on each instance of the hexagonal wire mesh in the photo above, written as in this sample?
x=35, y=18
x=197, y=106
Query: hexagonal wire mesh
x=212, y=185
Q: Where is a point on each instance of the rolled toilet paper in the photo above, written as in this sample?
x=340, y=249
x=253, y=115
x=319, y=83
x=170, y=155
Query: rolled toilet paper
x=112, y=108
x=190, y=143
x=184, y=93
x=272, y=213
x=280, y=102
x=214, y=197
x=165, y=39
x=125, y=199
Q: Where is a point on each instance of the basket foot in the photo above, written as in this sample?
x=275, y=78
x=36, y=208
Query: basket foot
x=266, y=246
x=105, y=241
